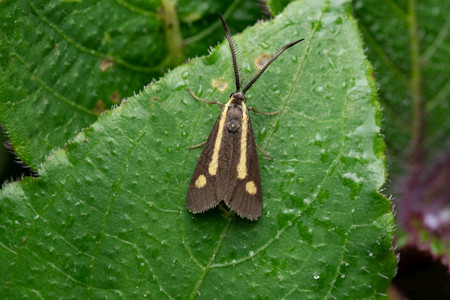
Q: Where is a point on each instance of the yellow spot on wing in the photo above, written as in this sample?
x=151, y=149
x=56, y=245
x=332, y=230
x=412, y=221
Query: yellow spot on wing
x=250, y=187
x=242, y=165
x=200, y=182
x=214, y=164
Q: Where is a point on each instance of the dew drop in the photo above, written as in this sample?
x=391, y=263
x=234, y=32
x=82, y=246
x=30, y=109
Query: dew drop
x=316, y=276
x=246, y=67
x=330, y=61
x=287, y=23
x=264, y=45
x=179, y=85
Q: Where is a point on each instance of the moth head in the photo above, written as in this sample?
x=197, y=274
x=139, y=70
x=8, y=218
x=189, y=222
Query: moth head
x=238, y=96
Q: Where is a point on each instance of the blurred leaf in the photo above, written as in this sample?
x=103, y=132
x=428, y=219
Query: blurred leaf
x=62, y=63
x=107, y=218
x=201, y=26
x=276, y=6
x=409, y=45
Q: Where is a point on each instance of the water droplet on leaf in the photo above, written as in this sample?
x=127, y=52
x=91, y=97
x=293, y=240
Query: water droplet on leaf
x=264, y=45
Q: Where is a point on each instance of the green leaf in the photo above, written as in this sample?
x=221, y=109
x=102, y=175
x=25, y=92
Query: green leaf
x=63, y=62
x=409, y=46
x=107, y=216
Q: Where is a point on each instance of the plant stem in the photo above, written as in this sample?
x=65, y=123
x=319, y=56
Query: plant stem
x=418, y=112
x=172, y=32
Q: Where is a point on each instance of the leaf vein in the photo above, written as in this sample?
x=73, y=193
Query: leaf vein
x=140, y=255
x=108, y=212
x=210, y=264
x=93, y=52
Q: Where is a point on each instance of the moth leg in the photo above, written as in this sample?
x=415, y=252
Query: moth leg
x=264, y=153
x=263, y=113
x=202, y=100
x=196, y=146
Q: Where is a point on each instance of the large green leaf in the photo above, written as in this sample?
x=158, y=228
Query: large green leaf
x=106, y=217
x=408, y=42
x=63, y=62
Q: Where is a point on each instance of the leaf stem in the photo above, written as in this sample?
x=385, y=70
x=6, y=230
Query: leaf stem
x=174, y=41
x=214, y=26
x=412, y=195
x=418, y=113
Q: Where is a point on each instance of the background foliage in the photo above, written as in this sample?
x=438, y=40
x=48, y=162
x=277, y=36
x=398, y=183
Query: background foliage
x=408, y=43
x=64, y=63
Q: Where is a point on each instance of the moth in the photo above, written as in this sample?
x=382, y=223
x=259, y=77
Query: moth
x=228, y=169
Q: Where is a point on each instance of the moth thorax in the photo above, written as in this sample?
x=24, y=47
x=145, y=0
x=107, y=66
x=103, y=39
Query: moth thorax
x=234, y=118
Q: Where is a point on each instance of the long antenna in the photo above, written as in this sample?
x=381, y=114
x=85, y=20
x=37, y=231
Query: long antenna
x=233, y=53
x=268, y=64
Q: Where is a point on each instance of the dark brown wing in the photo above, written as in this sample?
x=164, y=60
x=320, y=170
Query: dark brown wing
x=210, y=185
x=246, y=199
x=201, y=194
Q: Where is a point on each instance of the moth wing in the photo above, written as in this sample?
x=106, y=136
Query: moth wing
x=201, y=194
x=227, y=161
x=246, y=200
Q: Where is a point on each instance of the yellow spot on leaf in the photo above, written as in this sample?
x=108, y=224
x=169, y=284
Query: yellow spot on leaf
x=99, y=107
x=262, y=60
x=250, y=187
x=221, y=84
x=115, y=97
x=105, y=64
x=200, y=182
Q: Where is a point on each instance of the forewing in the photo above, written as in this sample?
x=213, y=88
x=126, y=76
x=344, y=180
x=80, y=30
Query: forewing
x=201, y=193
x=246, y=199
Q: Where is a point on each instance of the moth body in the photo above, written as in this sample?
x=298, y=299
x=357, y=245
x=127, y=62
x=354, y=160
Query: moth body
x=228, y=169
x=231, y=173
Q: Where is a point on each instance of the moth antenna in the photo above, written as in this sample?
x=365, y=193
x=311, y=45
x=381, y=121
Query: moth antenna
x=238, y=62
x=238, y=57
x=284, y=48
x=249, y=76
x=233, y=53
